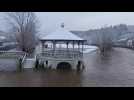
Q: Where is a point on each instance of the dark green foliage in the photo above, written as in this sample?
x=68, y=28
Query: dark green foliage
x=19, y=65
x=41, y=66
x=83, y=66
x=36, y=64
x=78, y=65
x=50, y=67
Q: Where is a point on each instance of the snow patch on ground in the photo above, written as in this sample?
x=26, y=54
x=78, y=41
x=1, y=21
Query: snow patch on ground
x=90, y=49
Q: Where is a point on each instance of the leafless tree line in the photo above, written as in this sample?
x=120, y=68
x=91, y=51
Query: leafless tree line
x=23, y=26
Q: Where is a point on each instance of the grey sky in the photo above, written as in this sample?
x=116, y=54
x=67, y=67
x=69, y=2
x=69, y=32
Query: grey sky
x=83, y=20
x=50, y=21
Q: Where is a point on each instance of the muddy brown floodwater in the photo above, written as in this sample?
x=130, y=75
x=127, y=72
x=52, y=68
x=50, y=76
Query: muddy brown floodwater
x=115, y=69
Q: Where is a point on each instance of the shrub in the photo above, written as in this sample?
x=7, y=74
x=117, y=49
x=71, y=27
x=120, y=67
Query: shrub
x=36, y=64
x=104, y=40
x=19, y=64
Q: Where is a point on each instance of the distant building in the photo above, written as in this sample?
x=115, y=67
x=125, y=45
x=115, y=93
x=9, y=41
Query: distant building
x=126, y=40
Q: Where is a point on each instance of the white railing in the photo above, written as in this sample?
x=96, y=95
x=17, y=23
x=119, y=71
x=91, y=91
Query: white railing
x=12, y=54
x=60, y=54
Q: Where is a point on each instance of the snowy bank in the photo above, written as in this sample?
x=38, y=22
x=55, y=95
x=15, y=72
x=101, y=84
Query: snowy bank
x=89, y=48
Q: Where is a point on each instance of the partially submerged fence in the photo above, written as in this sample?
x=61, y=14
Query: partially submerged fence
x=19, y=55
x=12, y=54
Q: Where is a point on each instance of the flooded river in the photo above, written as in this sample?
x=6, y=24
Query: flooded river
x=115, y=69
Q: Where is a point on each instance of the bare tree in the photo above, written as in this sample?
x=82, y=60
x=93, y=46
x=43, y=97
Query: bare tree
x=103, y=40
x=23, y=25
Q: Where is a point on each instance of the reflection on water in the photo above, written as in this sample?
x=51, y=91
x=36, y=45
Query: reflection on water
x=44, y=78
x=8, y=64
x=114, y=69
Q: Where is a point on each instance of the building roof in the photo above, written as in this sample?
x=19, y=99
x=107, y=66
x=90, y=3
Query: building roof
x=61, y=34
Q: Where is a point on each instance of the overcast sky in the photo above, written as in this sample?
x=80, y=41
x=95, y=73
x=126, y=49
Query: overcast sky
x=50, y=21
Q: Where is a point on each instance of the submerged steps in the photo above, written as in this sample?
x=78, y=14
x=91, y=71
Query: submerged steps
x=29, y=63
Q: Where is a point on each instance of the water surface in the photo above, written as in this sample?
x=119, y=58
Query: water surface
x=114, y=69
